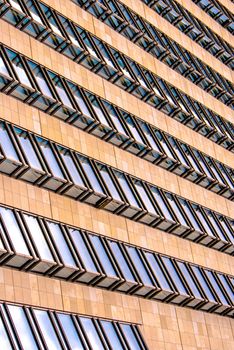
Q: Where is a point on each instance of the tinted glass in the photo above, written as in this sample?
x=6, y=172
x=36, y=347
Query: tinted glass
x=174, y=275
x=47, y=330
x=61, y=243
x=70, y=331
x=92, y=334
x=22, y=327
x=82, y=249
x=38, y=237
x=14, y=231
x=102, y=255
x=6, y=143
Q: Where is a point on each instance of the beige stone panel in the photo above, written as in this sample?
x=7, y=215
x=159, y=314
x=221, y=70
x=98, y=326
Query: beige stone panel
x=39, y=201
x=228, y=4
x=74, y=138
x=174, y=33
x=59, y=63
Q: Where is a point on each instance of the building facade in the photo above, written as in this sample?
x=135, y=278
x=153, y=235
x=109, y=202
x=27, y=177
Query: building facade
x=116, y=174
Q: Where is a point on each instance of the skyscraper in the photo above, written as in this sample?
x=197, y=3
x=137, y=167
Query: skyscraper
x=116, y=174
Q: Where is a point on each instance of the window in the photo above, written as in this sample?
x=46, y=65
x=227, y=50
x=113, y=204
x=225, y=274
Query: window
x=111, y=335
x=53, y=330
x=10, y=161
x=14, y=232
x=126, y=189
x=104, y=258
x=62, y=245
x=123, y=265
x=216, y=287
x=130, y=337
x=190, y=282
x=84, y=254
x=23, y=328
x=28, y=148
x=142, y=271
x=41, y=244
x=50, y=157
x=160, y=276
x=73, y=171
x=35, y=172
x=95, y=183
x=92, y=333
x=206, y=288
x=168, y=221
x=176, y=278
x=46, y=327
x=5, y=340
x=70, y=331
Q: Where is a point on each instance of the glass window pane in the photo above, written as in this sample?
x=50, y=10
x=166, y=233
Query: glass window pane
x=47, y=330
x=126, y=188
x=111, y=335
x=22, y=327
x=174, y=275
x=226, y=286
x=176, y=209
x=144, y=196
x=161, y=203
x=61, y=244
x=108, y=181
x=114, y=117
x=50, y=157
x=91, y=333
x=98, y=110
x=133, y=130
x=5, y=342
x=70, y=331
x=40, y=78
x=203, y=284
x=102, y=255
x=215, y=225
x=21, y=72
x=60, y=90
x=136, y=260
x=189, y=214
x=3, y=68
x=28, y=148
x=90, y=174
x=121, y=261
x=216, y=287
x=187, y=276
x=130, y=336
x=203, y=220
x=82, y=104
x=157, y=271
x=6, y=143
x=83, y=251
x=149, y=137
x=14, y=231
x=71, y=167
x=38, y=237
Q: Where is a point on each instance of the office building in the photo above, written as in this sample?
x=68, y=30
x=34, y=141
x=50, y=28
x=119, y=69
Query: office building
x=116, y=174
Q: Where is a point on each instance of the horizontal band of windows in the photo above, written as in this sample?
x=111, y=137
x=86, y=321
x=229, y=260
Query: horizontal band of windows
x=94, y=54
x=40, y=87
x=24, y=327
x=39, y=245
x=218, y=12
x=135, y=28
x=182, y=19
x=42, y=162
